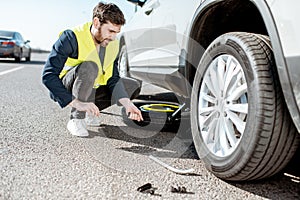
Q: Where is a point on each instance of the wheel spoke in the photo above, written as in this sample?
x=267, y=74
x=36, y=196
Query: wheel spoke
x=230, y=133
x=240, y=108
x=215, y=81
x=223, y=139
x=236, y=80
x=208, y=97
x=239, y=124
x=238, y=92
x=209, y=136
x=206, y=111
x=230, y=65
x=216, y=146
x=209, y=119
x=209, y=85
x=221, y=72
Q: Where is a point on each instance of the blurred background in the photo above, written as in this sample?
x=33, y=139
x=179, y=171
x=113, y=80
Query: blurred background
x=41, y=21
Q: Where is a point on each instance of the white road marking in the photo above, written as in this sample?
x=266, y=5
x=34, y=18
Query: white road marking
x=11, y=70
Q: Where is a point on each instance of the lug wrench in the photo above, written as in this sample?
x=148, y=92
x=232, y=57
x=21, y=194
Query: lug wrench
x=176, y=112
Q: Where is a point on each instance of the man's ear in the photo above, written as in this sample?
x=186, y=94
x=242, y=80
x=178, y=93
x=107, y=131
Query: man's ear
x=96, y=22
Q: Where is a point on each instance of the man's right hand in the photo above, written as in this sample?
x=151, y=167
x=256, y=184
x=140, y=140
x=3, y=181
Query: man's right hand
x=88, y=107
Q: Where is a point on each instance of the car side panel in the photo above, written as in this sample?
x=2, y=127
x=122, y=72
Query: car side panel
x=137, y=34
x=286, y=18
x=169, y=21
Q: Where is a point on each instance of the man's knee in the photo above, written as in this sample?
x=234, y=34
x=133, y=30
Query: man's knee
x=88, y=69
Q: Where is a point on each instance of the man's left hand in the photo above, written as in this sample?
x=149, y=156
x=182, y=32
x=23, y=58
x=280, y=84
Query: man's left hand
x=131, y=110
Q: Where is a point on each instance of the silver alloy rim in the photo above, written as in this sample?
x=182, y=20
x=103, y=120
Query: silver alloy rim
x=123, y=65
x=223, y=105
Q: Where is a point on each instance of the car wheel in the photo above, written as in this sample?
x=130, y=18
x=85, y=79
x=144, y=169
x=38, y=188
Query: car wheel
x=29, y=57
x=123, y=62
x=17, y=59
x=241, y=127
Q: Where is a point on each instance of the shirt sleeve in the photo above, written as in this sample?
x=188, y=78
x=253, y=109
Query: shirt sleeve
x=66, y=46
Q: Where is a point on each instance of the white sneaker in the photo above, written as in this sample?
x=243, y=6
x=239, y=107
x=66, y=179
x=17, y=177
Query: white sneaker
x=92, y=120
x=77, y=127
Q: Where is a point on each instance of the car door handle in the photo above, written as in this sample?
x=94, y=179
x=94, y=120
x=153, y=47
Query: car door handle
x=148, y=12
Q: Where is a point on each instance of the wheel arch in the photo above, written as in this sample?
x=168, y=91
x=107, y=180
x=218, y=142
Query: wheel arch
x=216, y=17
x=121, y=41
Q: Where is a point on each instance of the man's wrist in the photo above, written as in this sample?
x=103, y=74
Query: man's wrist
x=73, y=103
x=125, y=102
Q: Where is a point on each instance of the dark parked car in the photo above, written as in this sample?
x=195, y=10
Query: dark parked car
x=12, y=45
x=239, y=59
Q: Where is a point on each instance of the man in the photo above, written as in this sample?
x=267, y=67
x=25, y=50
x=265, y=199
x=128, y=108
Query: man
x=81, y=71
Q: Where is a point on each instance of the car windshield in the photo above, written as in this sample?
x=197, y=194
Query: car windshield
x=6, y=34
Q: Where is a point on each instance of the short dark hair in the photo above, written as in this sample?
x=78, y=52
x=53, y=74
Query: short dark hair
x=108, y=12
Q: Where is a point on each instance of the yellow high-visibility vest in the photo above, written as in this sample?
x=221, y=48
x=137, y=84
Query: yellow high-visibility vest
x=87, y=52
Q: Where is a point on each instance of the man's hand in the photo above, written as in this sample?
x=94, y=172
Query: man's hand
x=131, y=110
x=88, y=107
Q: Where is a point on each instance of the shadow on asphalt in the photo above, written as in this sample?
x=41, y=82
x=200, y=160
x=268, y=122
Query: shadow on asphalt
x=285, y=185
x=34, y=62
x=155, y=137
x=148, y=145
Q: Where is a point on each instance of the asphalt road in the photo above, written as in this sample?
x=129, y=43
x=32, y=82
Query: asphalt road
x=39, y=159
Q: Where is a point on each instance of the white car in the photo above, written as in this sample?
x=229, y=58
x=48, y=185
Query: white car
x=237, y=63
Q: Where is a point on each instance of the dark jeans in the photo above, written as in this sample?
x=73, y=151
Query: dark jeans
x=80, y=80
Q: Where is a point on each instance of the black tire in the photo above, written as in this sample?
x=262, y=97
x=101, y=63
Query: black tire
x=269, y=139
x=28, y=58
x=153, y=121
x=17, y=59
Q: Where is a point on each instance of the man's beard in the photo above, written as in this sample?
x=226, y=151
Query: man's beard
x=101, y=42
x=96, y=40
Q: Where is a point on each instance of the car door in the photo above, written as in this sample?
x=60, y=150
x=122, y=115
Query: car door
x=170, y=20
x=137, y=34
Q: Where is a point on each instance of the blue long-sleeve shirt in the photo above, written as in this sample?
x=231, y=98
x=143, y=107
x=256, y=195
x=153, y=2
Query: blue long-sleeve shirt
x=67, y=46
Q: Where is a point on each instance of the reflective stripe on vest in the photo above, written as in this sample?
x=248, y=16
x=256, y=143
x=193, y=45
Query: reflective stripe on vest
x=87, y=52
